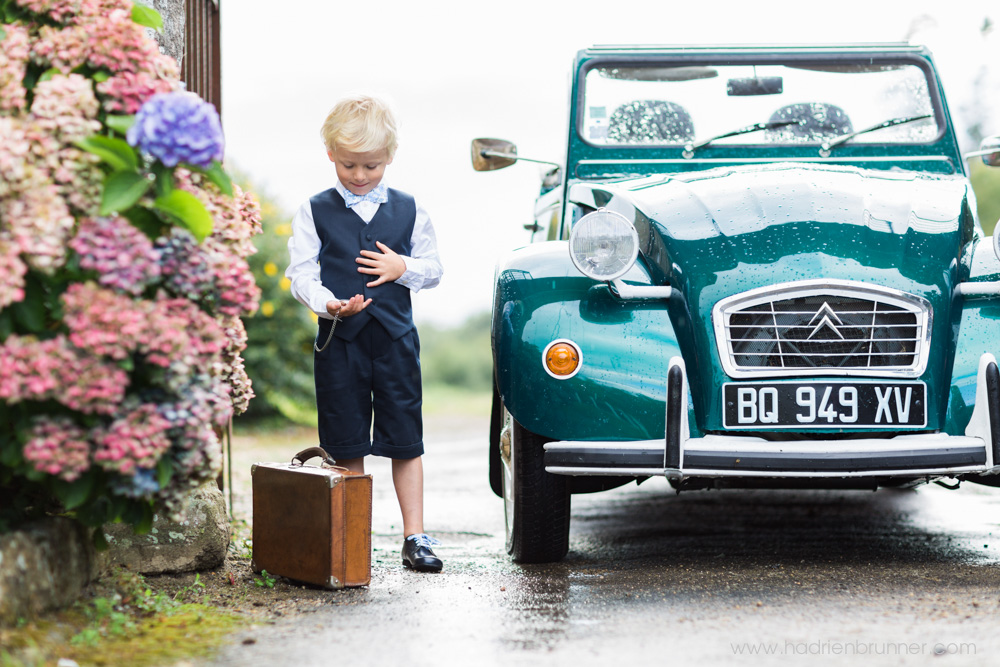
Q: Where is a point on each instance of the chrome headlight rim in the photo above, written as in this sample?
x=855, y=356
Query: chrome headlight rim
x=628, y=232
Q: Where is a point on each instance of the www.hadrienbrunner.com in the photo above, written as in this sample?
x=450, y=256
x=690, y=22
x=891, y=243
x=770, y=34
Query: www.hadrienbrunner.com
x=857, y=647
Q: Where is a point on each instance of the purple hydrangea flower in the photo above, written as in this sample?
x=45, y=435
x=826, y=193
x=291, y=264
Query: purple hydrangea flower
x=178, y=127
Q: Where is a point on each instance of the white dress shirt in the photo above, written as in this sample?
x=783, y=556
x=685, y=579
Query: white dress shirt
x=423, y=266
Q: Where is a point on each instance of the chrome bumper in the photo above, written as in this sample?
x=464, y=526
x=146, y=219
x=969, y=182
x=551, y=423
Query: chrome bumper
x=679, y=456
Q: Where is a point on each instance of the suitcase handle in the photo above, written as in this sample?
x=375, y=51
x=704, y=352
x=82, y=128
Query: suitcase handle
x=313, y=452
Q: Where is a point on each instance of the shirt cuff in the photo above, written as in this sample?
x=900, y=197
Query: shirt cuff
x=318, y=301
x=410, y=278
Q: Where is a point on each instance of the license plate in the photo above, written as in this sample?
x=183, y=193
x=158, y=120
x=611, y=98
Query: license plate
x=846, y=404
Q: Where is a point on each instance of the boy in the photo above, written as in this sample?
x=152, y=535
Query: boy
x=373, y=246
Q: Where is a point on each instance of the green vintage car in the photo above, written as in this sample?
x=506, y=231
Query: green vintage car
x=757, y=267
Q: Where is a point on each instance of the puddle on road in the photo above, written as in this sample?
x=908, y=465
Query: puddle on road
x=968, y=518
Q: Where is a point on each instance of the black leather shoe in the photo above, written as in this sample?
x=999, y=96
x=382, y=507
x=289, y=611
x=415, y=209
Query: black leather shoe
x=417, y=553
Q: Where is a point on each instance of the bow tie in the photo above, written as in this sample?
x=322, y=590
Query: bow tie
x=376, y=196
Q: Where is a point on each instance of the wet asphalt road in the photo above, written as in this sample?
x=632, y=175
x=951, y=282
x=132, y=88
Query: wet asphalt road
x=733, y=577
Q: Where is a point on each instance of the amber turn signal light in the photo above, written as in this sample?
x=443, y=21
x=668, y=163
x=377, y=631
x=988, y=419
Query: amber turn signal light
x=562, y=359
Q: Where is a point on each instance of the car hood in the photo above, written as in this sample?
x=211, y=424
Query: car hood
x=723, y=231
x=718, y=233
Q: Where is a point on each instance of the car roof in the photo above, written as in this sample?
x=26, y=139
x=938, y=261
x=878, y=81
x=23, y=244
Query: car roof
x=897, y=48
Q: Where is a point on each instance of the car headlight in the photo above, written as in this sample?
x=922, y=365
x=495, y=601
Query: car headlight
x=603, y=245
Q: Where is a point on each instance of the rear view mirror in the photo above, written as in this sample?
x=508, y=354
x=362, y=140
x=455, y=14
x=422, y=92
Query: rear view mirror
x=765, y=85
x=490, y=154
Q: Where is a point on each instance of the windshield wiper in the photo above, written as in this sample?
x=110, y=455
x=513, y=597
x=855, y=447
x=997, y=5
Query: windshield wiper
x=689, y=149
x=824, y=150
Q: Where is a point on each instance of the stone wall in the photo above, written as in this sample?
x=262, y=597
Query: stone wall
x=199, y=542
x=43, y=566
x=46, y=565
x=171, y=40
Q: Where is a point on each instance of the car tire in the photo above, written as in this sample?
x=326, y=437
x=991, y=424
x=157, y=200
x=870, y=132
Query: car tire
x=536, y=503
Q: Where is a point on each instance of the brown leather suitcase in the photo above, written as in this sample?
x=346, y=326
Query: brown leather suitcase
x=312, y=523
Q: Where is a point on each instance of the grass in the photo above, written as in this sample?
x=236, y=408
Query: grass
x=440, y=400
x=456, y=401
x=125, y=624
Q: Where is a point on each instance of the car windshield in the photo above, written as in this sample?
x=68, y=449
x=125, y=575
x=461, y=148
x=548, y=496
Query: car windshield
x=657, y=104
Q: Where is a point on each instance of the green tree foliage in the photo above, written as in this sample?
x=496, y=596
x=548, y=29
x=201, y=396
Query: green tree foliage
x=986, y=184
x=459, y=356
x=280, y=336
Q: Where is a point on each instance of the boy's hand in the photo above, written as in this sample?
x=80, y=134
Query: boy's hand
x=387, y=265
x=352, y=306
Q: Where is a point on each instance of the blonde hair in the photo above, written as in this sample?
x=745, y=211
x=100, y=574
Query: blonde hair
x=360, y=124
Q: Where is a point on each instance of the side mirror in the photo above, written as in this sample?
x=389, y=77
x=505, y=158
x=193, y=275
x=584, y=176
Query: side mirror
x=990, y=150
x=491, y=154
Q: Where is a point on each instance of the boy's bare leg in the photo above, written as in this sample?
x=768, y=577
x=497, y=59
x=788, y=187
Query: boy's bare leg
x=408, y=478
x=354, y=465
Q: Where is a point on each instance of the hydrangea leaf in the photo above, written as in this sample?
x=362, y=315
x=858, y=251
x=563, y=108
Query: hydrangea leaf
x=187, y=211
x=122, y=190
x=143, y=526
x=6, y=324
x=140, y=515
x=100, y=541
x=164, y=471
x=145, y=221
x=29, y=313
x=147, y=16
x=217, y=175
x=116, y=152
x=120, y=124
x=73, y=494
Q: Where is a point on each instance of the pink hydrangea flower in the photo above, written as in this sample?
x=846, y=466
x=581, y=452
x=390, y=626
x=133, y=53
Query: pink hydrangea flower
x=41, y=370
x=15, y=156
x=187, y=341
x=123, y=257
x=66, y=106
x=249, y=208
x=62, y=48
x=14, y=51
x=136, y=439
x=103, y=322
x=36, y=219
x=58, y=10
x=58, y=447
x=236, y=291
x=181, y=346
x=127, y=91
x=12, y=271
x=79, y=180
x=235, y=219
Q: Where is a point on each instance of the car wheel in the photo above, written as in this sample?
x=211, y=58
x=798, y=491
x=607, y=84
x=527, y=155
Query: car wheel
x=536, y=503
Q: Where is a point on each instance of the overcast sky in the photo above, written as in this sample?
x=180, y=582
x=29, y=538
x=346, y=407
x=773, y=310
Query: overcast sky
x=458, y=70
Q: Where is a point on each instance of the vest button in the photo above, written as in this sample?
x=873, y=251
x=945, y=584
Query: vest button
x=369, y=237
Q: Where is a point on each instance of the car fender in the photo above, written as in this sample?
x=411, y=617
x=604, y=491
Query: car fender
x=619, y=391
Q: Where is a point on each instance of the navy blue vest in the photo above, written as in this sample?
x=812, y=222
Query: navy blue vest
x=343, y=235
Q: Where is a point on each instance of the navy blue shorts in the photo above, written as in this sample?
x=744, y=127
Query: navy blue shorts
x=370, y=375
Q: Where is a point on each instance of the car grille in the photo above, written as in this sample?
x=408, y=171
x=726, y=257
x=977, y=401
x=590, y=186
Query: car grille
x=821, y=329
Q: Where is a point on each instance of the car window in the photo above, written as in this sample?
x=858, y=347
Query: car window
x=653, y=104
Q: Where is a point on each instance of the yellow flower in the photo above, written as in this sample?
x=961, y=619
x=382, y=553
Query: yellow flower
x=283, y=230
x=267, y=309
x=270, y=268
x=286, y=284
x=314, y=316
